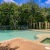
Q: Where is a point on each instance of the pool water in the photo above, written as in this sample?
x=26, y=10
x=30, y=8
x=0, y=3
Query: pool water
x=26, y=34
x=47, y=41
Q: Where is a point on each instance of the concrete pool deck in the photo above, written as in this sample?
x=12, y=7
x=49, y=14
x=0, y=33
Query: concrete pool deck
x=41, y=37
x=24, y=44
x=40, y=30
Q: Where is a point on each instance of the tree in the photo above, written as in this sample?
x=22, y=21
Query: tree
x=44, y=13
x=14, y=14
x=4, y=13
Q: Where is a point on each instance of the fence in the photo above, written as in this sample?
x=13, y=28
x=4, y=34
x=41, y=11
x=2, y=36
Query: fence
x=36, y=25
x=41, y=25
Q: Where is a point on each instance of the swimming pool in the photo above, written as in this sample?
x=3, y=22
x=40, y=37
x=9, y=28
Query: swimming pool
x=10, y=34
x=46, y=41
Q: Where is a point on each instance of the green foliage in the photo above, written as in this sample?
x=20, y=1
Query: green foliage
x=13, y=15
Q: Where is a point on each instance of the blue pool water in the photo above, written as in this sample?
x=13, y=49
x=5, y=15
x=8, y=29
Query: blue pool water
x=10, y=34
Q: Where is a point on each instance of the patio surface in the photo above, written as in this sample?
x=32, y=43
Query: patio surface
x=23, y=44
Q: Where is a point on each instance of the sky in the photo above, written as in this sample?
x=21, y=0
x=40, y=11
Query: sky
x=41, y=3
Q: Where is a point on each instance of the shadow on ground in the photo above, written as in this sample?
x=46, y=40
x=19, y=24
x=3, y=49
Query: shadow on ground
x=7, y=47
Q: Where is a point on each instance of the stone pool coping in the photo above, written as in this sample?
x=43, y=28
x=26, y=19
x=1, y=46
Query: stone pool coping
x=29, y=44
x=41, y=30
x=41, y=37
x=23, y=44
